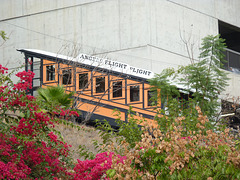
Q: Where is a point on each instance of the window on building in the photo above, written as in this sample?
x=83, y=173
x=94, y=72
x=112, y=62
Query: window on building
x=83, y=81
x=67, y=77
x=231, y=34
x=100, y=84
x=151, y=102
x=134, y=93
x=117, y=89
x=50, y=74
x=232, y=61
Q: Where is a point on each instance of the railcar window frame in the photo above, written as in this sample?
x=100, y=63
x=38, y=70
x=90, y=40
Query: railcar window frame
x=67, y=76
x=134, y=93
x=117, y=89
x=100, y=84
x=50, y=72
x=83, y=81
x=150, y=102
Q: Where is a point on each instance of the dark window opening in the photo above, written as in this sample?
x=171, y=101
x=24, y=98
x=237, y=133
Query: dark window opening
x=134, y=93
x=100, y=84
x=117, y=89
x=151, y=100
x=67, y=77
x=83, y=81
x=231, y=34
x=232, y=55
x=50, y=75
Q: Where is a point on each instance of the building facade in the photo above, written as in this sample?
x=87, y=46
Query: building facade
x=148, y=34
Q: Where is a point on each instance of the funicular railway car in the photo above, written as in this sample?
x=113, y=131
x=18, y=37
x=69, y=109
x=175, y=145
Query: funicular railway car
x=100, y=85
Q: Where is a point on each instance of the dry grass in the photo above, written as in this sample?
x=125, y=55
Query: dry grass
x=76, y=137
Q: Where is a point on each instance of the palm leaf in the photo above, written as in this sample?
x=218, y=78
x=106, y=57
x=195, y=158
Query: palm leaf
x=55, y=95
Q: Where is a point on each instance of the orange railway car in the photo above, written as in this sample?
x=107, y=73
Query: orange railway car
x=100, y=85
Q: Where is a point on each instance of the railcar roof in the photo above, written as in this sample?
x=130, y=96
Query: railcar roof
x=95, y=61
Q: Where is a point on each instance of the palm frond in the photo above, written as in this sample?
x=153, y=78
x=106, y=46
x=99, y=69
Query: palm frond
x=55, y=95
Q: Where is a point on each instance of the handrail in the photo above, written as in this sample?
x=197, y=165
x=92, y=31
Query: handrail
x=230, y=50
x=234, y=68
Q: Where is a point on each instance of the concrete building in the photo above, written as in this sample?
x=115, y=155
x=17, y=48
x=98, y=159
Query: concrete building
x=149, y=34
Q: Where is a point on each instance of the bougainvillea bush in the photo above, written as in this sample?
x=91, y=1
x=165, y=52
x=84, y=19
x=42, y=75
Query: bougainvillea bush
x=94, y=169
x=29, y=147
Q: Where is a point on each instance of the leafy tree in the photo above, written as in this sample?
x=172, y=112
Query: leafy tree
x=203, y=80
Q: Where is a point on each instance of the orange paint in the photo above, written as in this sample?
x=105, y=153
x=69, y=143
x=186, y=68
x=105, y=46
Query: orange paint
x=100, y=92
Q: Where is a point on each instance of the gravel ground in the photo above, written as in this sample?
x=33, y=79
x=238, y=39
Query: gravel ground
x=76, y=137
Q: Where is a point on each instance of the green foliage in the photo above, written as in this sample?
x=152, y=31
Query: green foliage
x=55, y=96
x=83, y=152
x=205, y=77
x=3, y=35
x=172, y=155
x=153, y=163
x=183, y=147
x=202, y=81
x=162, y=82
x=174, y=110
x=130, y=132
x=111, y=173
x=209, y=162
x=106, y=133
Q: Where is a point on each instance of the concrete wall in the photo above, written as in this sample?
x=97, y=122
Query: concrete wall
x=149, y=34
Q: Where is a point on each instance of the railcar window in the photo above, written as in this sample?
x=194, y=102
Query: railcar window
x=117, y=89
x=50, y=74
x=100, y=84
x=151, y=101
x=134, y=93
x=83, y=81
x=67, y=77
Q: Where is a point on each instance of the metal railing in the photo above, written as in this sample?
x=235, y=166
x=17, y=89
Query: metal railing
x=232, y=61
